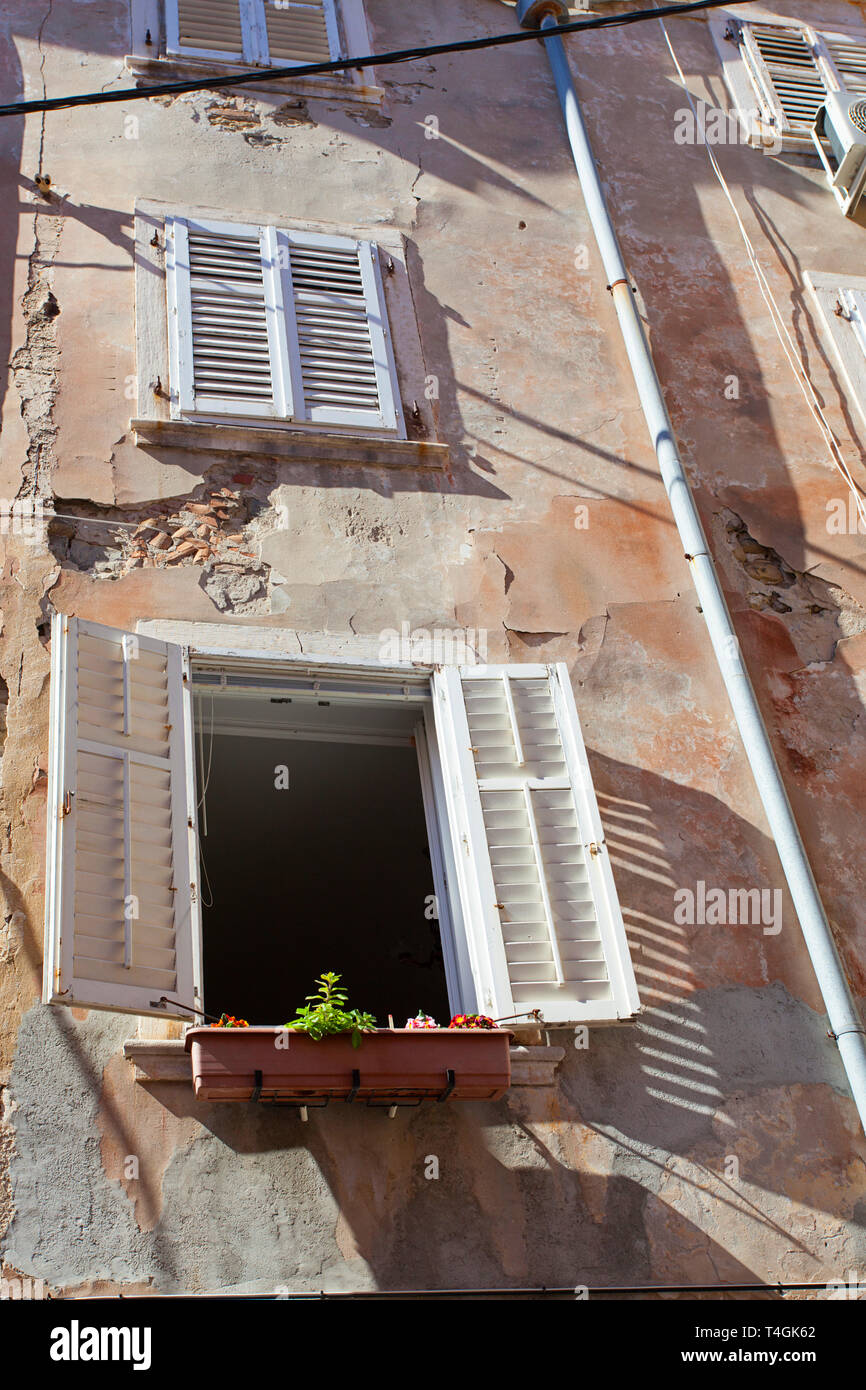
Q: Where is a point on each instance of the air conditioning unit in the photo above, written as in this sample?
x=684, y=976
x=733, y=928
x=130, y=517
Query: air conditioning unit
x=841, y=125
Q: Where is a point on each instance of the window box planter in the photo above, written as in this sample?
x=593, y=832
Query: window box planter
x=391, y=1067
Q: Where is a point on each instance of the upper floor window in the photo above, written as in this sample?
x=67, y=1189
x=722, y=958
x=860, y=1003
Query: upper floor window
x=781, y=71
x=192, y=36
x=274, y=323
x=265, y=33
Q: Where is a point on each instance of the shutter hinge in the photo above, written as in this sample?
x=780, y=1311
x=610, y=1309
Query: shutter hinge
x=193, y=897
x=500, y=906
x=67, y=804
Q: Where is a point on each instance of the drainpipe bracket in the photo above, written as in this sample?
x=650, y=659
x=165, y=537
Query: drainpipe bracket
x=532, y=12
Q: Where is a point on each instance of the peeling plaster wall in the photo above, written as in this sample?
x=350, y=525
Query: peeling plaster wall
x=550, y=532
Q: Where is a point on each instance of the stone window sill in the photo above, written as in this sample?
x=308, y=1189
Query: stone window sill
x=164, y=1059
x=336, y=88
x=292, y=446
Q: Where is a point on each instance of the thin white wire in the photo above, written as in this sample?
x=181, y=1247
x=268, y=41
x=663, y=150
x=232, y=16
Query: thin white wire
x=789, y=347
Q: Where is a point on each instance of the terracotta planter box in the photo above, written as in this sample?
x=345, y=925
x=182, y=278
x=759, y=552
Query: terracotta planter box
x=391, y=1067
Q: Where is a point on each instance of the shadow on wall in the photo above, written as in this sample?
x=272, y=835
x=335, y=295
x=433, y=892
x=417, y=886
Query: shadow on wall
x=709, y=1142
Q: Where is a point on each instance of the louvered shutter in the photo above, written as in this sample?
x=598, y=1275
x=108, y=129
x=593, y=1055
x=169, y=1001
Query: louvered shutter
x=846, y=59
x=205, y=29
x=543, y=921
x=291, y=325
x=122, y=914
x=300, y=33
x=792, y=68
x=227, y=336
x=275, y=33
x=342, y=353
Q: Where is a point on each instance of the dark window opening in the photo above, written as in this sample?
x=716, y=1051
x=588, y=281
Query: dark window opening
x=329, y=872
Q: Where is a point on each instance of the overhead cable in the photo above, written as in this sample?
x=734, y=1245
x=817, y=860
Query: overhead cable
x=404, y=55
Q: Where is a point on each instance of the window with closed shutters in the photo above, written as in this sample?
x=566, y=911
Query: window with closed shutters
x=278, y=323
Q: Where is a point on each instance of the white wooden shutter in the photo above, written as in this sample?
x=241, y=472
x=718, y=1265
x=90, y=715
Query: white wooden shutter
x=269, y=33
x=280, y=324
x=792, y=67
x=205, y=29
x=227, y=329
x=343, y=351
x=543, y=920
x=300, y=32
x=122, y=912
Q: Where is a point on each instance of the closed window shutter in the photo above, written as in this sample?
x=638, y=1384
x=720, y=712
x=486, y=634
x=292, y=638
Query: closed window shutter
x=122, y=925
x=274, y=33
x=265, y=322
x=343, y=353
x=792, y=68
x=300, y=33
x=225, y=306
x=543, y=921
x=205, y=28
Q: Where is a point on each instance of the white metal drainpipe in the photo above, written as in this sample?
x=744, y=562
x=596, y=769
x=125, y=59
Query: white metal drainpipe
x=845, y=1021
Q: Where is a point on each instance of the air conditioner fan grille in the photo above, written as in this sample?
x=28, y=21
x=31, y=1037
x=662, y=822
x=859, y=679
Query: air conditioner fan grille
x=857, y=114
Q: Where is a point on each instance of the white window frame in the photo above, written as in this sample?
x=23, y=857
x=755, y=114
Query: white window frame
x=846, y=331
x=254, y=36
x=289, y=406
x=765, y=124
x=474, y=973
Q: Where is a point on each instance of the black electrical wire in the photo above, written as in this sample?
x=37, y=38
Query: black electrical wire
x=404, y=55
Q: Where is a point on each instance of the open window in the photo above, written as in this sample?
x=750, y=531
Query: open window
x=320, y=816
x=781, y=72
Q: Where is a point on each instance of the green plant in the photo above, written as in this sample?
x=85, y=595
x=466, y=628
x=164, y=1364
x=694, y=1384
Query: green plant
x=326, y=1013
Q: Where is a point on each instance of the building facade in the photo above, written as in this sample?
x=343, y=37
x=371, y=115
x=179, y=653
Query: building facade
x=346, y=627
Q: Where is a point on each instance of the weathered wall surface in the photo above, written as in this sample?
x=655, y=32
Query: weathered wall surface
x=621, y=1173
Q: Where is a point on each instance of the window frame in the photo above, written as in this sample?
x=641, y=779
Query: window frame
x=148, y=17
x=442, y=767
x=269, y=436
